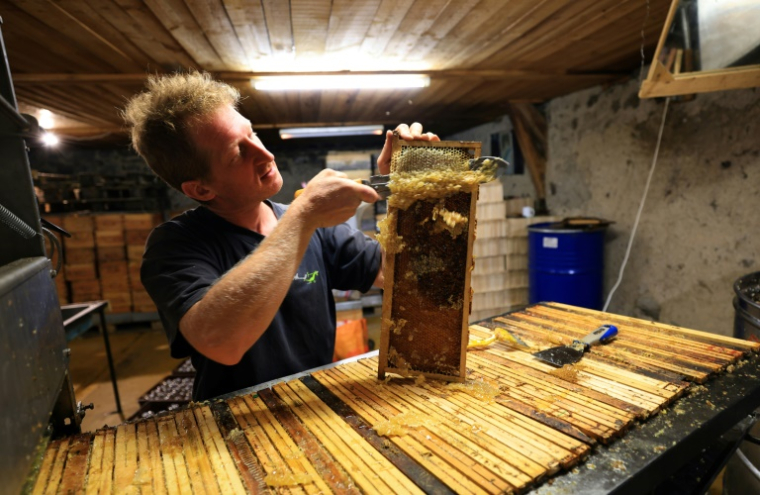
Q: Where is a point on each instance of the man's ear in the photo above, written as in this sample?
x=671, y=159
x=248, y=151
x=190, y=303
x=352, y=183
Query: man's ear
x=196, y=190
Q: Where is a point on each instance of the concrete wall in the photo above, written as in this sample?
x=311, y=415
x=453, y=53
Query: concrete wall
x=700, y=228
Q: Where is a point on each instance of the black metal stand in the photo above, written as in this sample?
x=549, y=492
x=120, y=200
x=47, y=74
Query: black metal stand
x=77, y=320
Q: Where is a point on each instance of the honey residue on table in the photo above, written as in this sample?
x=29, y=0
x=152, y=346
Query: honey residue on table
x=401, y=423
x=568, y=373
x=288, y=479
x=480, y=389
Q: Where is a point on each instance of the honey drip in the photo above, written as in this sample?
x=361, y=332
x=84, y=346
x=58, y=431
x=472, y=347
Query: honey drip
x=391, y=242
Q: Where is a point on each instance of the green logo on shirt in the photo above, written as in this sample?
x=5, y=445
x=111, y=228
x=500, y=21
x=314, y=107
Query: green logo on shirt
x=309, y=278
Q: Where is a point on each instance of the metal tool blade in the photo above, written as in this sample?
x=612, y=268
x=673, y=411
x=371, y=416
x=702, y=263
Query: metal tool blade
x=488, y=161
x=569, y=354
x=560, y=356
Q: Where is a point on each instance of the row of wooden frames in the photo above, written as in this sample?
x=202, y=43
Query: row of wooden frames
x=511, y=426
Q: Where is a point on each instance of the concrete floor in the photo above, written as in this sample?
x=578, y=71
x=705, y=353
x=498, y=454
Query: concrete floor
x=141, y=359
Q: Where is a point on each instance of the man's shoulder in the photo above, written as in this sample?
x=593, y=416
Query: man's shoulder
x=188, y=224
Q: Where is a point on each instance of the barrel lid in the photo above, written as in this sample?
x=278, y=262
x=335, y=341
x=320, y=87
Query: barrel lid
x=571, y=224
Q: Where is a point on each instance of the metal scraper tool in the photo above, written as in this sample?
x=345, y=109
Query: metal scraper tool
x=569, y=354
x=380, y=183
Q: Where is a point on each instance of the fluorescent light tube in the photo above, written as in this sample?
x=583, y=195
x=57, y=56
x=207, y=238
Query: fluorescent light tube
x=343, y=81
x=313, y=132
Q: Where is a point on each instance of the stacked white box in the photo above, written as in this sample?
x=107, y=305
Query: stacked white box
x=500, y=276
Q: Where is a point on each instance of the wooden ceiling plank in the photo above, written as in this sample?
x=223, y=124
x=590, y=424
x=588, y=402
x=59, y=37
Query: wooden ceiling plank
x=277, y=15
x=387, y=18
x=102, y=26
x=179, y=21
x=142, y=27
x=247, y=17
x=557, y=29
x=254, y=107
x=516, y=22
x=600, y=15
x=309, y=103
x=22, y=61
x=598, y=32
x=310, y=21
x=350, y=21
x=483, y=20
x=450, y=17
x=102, y=107
x=66, y=104
x=59, y=20
x=34, y=39
x=613, y=41
x=215, y=23
x=420, y=18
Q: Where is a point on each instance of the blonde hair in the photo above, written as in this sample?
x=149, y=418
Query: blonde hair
x=161, y=117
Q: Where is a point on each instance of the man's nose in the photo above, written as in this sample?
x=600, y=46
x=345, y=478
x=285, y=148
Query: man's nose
x=260, y=151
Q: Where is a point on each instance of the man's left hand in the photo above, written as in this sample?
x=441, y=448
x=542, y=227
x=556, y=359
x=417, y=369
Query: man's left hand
x=407, y=133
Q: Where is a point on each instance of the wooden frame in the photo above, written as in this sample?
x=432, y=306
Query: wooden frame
x=661, y=82
x=394, y=342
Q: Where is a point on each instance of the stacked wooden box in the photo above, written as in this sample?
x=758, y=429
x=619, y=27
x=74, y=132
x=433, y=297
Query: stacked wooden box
x=112, y=261
x=500, y=276
x=137, y=227
x=103, y=257
x=80, y=269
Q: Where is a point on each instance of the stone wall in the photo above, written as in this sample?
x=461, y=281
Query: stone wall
x=700, y=227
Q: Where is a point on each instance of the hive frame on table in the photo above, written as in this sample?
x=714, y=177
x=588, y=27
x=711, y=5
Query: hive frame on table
x=394, y=285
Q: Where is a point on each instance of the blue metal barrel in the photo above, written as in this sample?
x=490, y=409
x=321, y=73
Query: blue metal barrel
x=566, y=263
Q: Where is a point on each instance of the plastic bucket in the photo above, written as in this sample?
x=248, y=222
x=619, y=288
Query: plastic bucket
x=747, y=307
x=742, y=473
x=566, y=263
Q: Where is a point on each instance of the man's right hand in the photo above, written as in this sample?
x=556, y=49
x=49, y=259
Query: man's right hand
x=331, y=198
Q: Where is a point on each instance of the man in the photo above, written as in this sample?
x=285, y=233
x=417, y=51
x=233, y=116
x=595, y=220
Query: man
x=242, y=284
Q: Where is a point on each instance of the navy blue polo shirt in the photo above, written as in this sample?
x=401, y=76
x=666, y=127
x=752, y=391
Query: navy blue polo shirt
x=185, y=256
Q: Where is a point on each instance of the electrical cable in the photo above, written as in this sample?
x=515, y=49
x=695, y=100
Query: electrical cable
x=641, y=207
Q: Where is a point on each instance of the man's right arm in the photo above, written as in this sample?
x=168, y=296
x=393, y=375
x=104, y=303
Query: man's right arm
x=241, y=304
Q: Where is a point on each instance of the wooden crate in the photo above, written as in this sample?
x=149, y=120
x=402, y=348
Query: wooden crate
x=135, y=253
x=109, y=238
x=80, y=239
x=79, y=255
x=137, y=237
x=427, y=269
x=78, y=223
x=109, y=221
x=120, y=301
x=85, y=290
x=142, y=303
x=80, y=271
x=113, y=269
x=112, y=253
x=141, y=221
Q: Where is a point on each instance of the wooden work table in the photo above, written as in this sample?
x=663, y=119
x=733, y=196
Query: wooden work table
x=623, y=421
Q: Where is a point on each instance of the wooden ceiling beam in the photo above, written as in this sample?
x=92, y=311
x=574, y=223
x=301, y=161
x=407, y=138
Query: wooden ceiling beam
x=80, y=78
